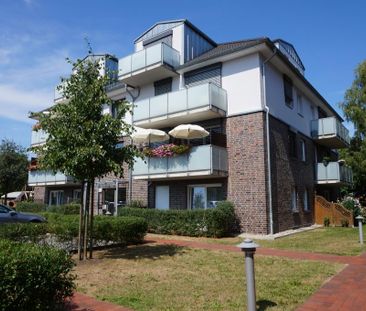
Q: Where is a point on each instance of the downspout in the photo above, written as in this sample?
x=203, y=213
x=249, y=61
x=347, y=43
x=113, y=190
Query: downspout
x=266, y=108
x=130, y=170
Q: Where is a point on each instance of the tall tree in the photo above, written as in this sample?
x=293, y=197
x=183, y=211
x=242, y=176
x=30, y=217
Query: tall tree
x=13, y=167
x=354, y=108
x=83, y=142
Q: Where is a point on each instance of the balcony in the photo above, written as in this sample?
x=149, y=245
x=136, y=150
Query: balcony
x=333, y=173
x=197, y=103
x=330, y=132
x=151, y=64
x=38, y=138
x=47, y=178
x=201, y=161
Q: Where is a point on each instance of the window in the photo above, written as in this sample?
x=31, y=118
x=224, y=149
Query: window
x=288, y=92
x=76, y=196
x=56, y=197
x=306, y=200
x=163, y=86
x=204, y=196
x=294, y=208
x=300, y=105
x=115, y=109
x=303, y=150
x=292, y=144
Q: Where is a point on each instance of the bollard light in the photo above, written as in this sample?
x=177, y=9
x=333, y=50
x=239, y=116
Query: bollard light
x=360, y=218
x=249, y=248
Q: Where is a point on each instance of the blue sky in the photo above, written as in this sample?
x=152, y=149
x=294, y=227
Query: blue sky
x=37, y=35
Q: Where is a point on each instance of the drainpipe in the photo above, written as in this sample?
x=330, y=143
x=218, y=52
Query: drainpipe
x=266, y=108
x=133, y=105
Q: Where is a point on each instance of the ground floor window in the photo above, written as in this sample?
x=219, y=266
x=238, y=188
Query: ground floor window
x=56, y=197
x=294, y=208
x=306, y=201
x=204, y=196
x=76, y=196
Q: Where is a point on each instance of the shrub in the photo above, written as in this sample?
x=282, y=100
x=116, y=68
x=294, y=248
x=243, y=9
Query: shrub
x=137, y=204
x=215, y=222
x=124, y=230
x=326, y=221
x=31, y=207
x=344, y=223
x=21, y=232
x=66, y=209
x=33, y=277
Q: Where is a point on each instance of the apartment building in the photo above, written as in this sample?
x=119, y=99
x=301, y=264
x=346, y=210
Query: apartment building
x=272, y=140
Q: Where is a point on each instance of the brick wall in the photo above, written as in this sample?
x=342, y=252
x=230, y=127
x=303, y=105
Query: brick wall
x=289, y=172
x=247, y=171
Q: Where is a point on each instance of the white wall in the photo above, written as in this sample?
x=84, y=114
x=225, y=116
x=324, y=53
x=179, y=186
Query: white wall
x=278, y=108
x=241, y=80
x=178, y=41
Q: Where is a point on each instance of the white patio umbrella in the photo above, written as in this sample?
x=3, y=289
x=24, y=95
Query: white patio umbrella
x=188, y=131
x=148, y=135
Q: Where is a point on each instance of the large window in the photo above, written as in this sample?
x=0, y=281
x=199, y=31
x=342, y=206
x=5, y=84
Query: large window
x=303, y=150
x=306, y=200
x=204, y=196
x=294, y=207
x=163, y=86
x=292, y=144
x=288, y=91
x=56, y=197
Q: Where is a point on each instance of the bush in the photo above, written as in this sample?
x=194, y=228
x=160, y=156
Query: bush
x=30, y=207
x=215, y=222
x=124, y=230
x=66, y=209
x=33, y=277
x=22, y=232
x=326, y=221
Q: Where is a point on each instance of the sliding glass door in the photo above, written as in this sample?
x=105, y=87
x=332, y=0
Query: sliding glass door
x=204, y=196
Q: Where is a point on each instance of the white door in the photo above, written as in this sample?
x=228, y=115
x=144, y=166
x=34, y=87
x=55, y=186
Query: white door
x=162, y=197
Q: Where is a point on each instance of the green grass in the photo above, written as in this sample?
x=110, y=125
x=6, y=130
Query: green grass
x=330, y=240
x=166, y=277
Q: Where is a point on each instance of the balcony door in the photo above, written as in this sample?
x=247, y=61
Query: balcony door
x=204, y=196
x=162, y=197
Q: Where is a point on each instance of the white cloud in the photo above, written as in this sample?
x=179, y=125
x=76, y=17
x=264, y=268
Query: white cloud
x=16, y=103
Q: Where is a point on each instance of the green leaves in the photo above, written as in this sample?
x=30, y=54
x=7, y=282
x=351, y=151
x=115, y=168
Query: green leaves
x=82, y=140
x=13, y=167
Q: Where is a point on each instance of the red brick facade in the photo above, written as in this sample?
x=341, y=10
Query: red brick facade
x=247, y=171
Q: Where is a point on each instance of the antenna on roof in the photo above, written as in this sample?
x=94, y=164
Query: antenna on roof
x=90, y=49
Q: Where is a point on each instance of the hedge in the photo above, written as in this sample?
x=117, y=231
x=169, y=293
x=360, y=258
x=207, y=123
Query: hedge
x=33, y=277
x=215, y=222
x=65, y=228
x=34, y=207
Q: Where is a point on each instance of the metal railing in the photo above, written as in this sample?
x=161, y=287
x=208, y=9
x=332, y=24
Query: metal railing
x=205, y=95
x=333, y=172
x=159, y=53
x=208, y=158
x=329, y=127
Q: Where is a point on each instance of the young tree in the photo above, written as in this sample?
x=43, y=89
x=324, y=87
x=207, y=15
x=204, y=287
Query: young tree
x=82, y=141
x=354, y=108
x=13, y=167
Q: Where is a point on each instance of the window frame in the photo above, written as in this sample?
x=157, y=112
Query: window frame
x=306, y=206
x=303, y=148
x=189, y=193
x=294, y=200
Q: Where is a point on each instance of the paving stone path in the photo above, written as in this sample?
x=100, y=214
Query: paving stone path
x=344, y=292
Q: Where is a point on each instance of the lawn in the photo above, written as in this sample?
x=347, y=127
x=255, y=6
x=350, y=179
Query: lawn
x=167, y=277
x=331, y=240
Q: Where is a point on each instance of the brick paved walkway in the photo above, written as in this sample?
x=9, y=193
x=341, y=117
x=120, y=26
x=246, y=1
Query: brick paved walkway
x=81, y=302
x=344, y=292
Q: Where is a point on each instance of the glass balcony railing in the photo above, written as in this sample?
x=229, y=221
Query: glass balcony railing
x=202, y=96
x=156, y=54
x=333, y=173
x=330, y=132
x=43, y=178
x=200, y=161
x=38, y=137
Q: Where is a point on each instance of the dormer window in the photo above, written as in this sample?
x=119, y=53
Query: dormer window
x=288, y=91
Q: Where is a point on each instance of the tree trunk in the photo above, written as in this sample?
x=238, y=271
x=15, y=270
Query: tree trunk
x=86, y=223
x=81, y=223
x=91, y=220
x=6, y=198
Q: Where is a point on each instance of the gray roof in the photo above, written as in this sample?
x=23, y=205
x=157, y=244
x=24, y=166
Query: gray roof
x=224, y=49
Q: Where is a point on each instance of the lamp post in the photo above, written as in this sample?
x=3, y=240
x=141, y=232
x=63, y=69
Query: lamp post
x=249, y=248
x=360, y=218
